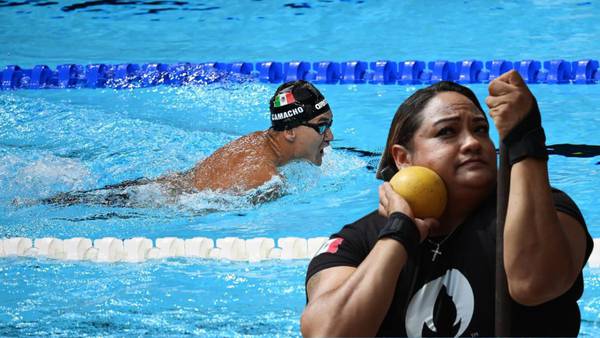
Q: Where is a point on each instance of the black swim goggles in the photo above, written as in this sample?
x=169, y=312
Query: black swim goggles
x=320, y=128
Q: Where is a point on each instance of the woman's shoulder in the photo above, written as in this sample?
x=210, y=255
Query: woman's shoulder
x=372, y=220
x=365, y=230
x=564, y=203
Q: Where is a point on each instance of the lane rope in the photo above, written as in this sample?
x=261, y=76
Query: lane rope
x=407, y=72
x=141, y=249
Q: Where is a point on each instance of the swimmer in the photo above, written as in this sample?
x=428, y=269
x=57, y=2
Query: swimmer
x=300, y=130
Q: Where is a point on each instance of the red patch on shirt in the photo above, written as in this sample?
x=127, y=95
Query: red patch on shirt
x=331, y=246
x=334, y=244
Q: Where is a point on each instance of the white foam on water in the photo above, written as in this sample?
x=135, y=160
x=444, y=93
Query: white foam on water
x=300, y=176
x=51, y=170
x=150, y=195
x=23, y=178
x=208, y=200
x=340, y=163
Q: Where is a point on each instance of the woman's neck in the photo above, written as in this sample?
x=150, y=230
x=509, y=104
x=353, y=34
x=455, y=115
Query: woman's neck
x=458, y=208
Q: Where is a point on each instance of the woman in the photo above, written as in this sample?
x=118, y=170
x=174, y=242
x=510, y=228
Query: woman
x=392, y=274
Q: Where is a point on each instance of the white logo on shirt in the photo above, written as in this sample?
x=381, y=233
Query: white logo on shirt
x=453, y=285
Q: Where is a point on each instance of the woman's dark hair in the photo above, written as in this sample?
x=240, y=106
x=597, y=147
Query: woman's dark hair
x=408, y=119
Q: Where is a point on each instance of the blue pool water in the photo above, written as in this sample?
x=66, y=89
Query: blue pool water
x=61, y=140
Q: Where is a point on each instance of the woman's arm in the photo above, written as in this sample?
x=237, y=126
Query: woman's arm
x=347, y=301
x=544, y=249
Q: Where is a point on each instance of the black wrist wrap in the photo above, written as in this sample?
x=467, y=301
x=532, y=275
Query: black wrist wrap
x=403, y=229
x=527, y=138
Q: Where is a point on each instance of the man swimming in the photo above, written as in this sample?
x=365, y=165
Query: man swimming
x=300, y=129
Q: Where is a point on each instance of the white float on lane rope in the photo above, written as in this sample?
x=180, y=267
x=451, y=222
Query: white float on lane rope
x=140, y=249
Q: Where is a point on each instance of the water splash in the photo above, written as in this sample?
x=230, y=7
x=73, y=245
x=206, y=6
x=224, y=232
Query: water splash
x=21, y=176
x=340, y=163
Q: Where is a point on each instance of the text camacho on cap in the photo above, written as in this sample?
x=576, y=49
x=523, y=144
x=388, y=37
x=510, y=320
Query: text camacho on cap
x=294, y=103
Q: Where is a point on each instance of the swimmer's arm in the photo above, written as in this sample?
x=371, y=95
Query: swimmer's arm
x=347, y=301
x=269, y=193
x=544, y=250
x=176, y=183
x=252, y=178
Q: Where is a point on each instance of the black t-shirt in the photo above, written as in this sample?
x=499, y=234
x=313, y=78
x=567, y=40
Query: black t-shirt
x=454, y=294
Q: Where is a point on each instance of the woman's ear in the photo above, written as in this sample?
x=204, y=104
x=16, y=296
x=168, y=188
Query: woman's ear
x=401, y=156
x=290, y=135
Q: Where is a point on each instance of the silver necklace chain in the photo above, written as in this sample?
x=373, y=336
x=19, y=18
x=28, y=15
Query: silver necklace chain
x=436, y=252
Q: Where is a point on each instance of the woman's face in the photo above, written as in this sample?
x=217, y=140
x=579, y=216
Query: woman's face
x=453, y=140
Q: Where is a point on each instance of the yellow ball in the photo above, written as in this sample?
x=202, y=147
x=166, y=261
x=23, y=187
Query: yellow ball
x=423, y=189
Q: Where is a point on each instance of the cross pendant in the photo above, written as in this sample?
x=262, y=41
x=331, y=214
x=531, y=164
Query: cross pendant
x=436, y=252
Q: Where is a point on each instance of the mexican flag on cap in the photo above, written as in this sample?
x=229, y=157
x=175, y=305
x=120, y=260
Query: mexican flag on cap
x=284, y=99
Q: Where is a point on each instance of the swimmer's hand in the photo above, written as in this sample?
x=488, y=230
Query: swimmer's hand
x=390, y=202
x=266, y=195
x=509, y=101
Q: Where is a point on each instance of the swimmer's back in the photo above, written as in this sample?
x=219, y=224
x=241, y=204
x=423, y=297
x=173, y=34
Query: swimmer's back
x=243, y=164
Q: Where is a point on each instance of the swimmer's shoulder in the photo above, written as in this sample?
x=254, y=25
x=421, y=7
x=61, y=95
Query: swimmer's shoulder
x=237, y=149
x=244, y=144
x=242, y=163
x=254, y=139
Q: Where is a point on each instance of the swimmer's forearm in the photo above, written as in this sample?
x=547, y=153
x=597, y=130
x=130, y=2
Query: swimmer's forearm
x=537, y=256
x=359, y=305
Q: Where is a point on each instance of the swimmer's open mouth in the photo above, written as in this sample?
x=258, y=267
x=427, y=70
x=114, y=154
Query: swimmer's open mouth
x=322, y=150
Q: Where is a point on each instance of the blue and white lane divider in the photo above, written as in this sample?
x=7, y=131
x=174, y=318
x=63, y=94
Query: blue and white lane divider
x=409, y=72
x=141, y=249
